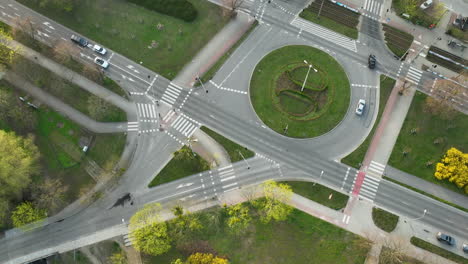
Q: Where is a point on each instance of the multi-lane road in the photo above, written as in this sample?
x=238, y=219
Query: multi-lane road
x=168, y=114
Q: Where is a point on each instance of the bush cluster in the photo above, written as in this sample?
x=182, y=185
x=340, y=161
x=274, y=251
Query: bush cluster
x=182, y=9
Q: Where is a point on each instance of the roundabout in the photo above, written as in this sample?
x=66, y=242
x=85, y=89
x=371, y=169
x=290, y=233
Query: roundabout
x=299, y=91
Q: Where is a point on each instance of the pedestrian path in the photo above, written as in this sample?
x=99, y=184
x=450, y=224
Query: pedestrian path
x=185, y=125
x=324, y=33
x=375, y=169
x=369, y=188
x=147, y=111
x=372, y=9
x=413, y=75
x=171, y=94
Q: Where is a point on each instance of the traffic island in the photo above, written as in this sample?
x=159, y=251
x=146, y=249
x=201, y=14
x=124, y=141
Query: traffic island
x=300, y=91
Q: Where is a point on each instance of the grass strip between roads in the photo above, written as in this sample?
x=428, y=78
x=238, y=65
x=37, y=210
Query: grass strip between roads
x=357, y=156
x=231, y=147
x=438, y=250
x=319, y=194
x=384, y=220
x=426, y=194
x=214, y=69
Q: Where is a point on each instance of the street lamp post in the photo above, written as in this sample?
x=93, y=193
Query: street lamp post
x=307, y=75
x=417, y=218
x=248, y=165
x=203, y=86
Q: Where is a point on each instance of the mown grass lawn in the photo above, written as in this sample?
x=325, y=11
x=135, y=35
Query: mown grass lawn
x=421, y=145
x=264, y=81
x=302, y=239
x=384, y=220
x=357, y=156
x=231, y=147
x=130, y=29
x=319, y=194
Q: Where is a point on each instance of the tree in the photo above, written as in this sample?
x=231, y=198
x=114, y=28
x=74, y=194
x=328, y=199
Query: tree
x=444, y=95
x=147, y=232
x=205, y=258
x=177, y=261
x=7, y=54
x=454, y=167
x=26, y=213
x=273, y=205
x=184, y=153
x=184, y=224
x=24, y=25
x=64, y=51
x=239, y=218
x=92, y=72
x=232, y=7
x=118, y=258
x=18, y=161
x=410, y=7
x=4, y=210
x=49, y=195
x=18, y=115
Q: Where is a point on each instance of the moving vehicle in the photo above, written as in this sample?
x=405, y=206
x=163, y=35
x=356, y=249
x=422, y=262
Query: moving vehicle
x=360, y=107
x=99, y=49
x=101, y=62
x=79, y=40
x=444, y=238
x=372, y=61
x=465, y=247
x=426, y=4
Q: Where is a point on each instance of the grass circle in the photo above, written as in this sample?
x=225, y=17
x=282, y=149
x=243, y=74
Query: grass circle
x=310, y=113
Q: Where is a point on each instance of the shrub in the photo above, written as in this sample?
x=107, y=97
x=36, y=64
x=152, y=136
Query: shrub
x=182, y=9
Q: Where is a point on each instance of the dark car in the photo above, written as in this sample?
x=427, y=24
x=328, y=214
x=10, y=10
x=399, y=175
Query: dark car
x=372, y=61
x=79, y=40
x=444, y=238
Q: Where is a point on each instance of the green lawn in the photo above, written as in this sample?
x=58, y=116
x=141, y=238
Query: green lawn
x=457, y=33
x=384, y=220
x=397, y=41
x=330, y=24
x=132, y=30
x=319, y=194
x=357, y=156
x=214, y=69
x=438, y=250
x=265, y=102
x=302, y=239
x=179, y=167
x=231, y=147
x=421, y=146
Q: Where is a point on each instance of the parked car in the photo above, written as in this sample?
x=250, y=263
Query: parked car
x=426, y=4
x=101, y=62
x=465, y=247
x=460, y=22
x=372, y=61
x=444, y=238
x=99, y=49
x=79, y=40
x=360, y=107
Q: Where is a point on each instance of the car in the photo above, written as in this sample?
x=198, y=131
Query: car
x=101, y=62
x=465, y=247
x=372, y=61
x=99, y=49
x=426, y=4
x=444, y=238
x=79, y=40
x=360, y=107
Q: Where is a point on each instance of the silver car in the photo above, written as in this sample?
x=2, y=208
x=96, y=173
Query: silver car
x=99, y=49
x=101, y=62
x=360, y=107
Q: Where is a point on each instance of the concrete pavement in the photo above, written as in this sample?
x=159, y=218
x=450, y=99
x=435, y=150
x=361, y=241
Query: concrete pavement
x=210, y=150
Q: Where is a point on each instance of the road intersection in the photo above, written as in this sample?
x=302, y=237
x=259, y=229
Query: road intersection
x=168, y=114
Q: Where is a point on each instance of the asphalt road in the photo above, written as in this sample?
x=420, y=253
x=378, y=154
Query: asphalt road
x=276, y=156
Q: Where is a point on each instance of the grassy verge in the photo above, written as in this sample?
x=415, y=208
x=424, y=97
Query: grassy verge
x=427, y=194
x=438, y=250
x=231, y=147
x=302, y=239
x=357, y=156
x=214, y=69
x=330, y=24
x=162, y=43
x=384, y=220
x=319, y=194
x=434, y=136
x=388, y=255
x=267, y=80
x=183, y=164
x=397, y=41
x=457, y=33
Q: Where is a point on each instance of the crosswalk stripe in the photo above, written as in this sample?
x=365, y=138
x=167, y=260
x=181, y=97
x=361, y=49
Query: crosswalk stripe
x=179, y=123
x=182, y=127
x=414, y=75
x=416, y=70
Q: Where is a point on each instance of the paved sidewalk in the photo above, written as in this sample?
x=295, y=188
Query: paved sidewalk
x=214, y=50
x=210, y=150
x=426, y=186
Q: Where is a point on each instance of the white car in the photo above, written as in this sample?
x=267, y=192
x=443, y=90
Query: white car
x=99, y=49
x=426, y=4
x=101, y=62
x=360, y=107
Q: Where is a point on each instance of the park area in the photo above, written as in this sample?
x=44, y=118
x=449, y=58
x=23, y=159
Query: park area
x=162, y=43
x=296, y=98
x=333, y=16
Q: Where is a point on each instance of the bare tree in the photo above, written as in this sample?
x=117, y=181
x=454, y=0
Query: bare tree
x=232, y=7
x=64, y=51
x=92, y=72
x=24, y=25
x=50, y=194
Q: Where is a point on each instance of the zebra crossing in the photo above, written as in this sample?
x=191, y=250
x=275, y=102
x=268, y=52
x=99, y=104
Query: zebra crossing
x=127, y=241
x=369, y=188
x=147, y=111
x=372, y=8
x=414, y=75
x=171, y=94
x=227, y=174
x=375, y=169
x=132, y=126
x=185, y=125
x=324, y=33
